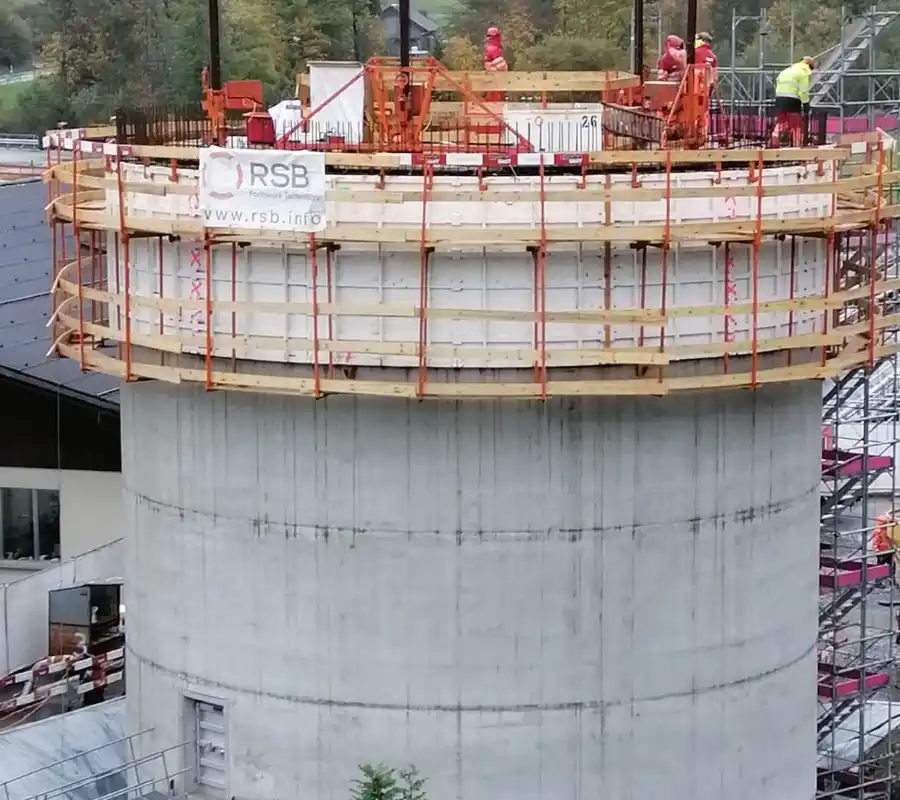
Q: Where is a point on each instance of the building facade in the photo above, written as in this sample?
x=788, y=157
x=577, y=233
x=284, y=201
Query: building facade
x=422, y=31
x=60, y=483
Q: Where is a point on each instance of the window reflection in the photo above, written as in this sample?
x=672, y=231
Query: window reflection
x=29, y=523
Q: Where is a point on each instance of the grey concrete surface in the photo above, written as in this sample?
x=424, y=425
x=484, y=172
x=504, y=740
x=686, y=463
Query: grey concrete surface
x=577, y=600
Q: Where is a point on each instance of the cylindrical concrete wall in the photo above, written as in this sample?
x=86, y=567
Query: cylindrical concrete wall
x=601, y=598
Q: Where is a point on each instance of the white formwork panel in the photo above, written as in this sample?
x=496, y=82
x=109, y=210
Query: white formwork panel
x=495, y=279
x=518, y=213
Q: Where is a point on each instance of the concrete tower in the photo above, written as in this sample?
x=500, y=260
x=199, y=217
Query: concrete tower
x=510, y=475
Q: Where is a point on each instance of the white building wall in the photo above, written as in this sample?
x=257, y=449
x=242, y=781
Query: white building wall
x=90, y=513
x=23, y=628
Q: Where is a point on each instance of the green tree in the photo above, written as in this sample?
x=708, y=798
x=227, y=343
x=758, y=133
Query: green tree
x=461, y=53
x=253, y=45
x=15, y=38
x=380, y=782
x=564, y=53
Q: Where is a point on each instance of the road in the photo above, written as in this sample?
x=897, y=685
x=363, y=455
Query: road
x=7, y=78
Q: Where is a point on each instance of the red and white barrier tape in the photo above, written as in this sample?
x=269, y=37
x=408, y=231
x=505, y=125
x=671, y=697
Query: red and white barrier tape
x=62, y=687
x=109, y=665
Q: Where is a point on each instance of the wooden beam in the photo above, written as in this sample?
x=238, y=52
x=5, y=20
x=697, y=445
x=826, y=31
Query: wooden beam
x=600, y=158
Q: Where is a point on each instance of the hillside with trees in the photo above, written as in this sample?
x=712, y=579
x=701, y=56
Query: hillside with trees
x=99, y=55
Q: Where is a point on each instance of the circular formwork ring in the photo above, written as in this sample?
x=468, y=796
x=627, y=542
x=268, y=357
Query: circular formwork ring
x=185, y=356
x=211, y=358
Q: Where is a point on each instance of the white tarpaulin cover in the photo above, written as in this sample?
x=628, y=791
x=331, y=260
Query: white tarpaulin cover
x=345, y=113
x=286, y=116
x=262, y=189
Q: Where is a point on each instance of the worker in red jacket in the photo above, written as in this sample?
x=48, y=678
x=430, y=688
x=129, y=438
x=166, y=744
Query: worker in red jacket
x=494, y=60
x=703, y=52
x=705, y=57
x=672, y=62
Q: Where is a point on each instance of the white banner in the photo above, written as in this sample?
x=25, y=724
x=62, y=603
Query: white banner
x=280, y=190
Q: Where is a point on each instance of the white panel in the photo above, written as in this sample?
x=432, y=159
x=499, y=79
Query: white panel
x=262, y=189
x=557, y=130
x=521, y=212
x=695, y=275
x=330, y=83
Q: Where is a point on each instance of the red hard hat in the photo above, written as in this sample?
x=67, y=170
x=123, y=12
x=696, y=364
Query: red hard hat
x=674, y=41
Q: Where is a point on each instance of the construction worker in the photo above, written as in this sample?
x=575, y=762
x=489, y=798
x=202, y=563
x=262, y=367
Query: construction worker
x=792, y=100
x=673, y=61
x=885, y=541
x=494, y=60
x=703, y=52
x=493, y=51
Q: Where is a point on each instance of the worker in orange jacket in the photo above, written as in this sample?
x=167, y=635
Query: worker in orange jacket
x=884, y=541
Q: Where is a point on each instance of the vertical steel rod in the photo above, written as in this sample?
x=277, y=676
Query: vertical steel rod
x=404, y=33
x=215, y=55
x=691, y=30
x=638, y=55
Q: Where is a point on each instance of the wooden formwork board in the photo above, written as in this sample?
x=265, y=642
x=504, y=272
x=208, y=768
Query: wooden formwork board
x=598, y=159
x=304, y=385
x=517, y=81
x=858, y=203
x=477, y=237
x=91, y=175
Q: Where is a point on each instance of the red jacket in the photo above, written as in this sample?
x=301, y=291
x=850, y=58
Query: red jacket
x=671, y=63
x=493, y=54
x=703, y=54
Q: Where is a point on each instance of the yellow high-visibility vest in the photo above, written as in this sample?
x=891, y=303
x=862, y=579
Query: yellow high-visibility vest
x=794, y=82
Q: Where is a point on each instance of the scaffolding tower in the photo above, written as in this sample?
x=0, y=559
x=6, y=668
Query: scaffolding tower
x=857, y=682
x=845, y=80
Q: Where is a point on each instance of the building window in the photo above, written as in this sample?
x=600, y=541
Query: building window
x=29, y=523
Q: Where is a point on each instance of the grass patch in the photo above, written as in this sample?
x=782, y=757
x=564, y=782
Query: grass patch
x=438, y=10
x=10, y=94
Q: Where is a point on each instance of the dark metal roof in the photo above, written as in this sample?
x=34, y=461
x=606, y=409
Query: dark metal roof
x=422, y=21
x=25, y=270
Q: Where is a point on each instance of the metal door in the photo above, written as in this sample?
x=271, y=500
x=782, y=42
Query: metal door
x=211, y=755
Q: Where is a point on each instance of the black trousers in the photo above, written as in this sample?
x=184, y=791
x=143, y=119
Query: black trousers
x=788, y=105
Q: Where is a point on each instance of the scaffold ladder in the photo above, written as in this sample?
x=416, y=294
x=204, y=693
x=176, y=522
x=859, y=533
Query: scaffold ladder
x=835, y=63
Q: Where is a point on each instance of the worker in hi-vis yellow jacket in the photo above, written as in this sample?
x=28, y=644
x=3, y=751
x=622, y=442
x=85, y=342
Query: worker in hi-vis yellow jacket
x=792, y=100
